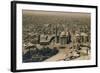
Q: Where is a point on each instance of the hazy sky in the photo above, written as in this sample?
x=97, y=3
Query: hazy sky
x=33, y=12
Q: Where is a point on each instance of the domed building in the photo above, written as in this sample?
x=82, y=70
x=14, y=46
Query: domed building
x=81, y=38
x=84, y=38
x=65, y=38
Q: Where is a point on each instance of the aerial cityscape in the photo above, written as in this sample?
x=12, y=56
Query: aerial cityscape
x=49, y=36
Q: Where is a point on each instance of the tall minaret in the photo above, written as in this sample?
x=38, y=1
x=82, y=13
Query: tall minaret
x=56, y=34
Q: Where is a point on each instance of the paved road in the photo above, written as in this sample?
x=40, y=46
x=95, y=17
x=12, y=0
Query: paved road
x=61, y=55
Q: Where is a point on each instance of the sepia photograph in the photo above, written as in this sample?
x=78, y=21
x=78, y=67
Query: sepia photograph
x=48, y=36
x=55, y=36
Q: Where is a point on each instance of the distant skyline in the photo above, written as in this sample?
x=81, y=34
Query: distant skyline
x=62, y=13
x=52, y=17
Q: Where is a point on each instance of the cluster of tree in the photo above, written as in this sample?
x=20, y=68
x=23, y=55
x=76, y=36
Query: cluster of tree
x=38, y=55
